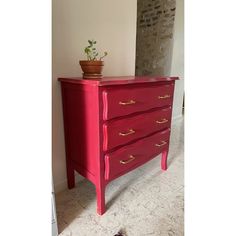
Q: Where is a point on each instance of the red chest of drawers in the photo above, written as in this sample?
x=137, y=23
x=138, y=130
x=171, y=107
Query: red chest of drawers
x=113, y=125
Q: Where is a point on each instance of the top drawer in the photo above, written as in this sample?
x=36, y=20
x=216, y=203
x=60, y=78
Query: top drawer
x=120, y=102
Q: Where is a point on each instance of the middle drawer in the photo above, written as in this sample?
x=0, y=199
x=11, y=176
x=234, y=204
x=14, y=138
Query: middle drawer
x=122, y=131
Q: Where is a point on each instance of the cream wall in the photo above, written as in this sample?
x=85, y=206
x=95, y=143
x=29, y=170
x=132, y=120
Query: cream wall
x=177, y=67
x=113, y=24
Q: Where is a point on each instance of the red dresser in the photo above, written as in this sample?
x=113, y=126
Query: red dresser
x=113, y=125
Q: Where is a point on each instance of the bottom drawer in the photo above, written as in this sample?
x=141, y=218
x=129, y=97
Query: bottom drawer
x=129, y=157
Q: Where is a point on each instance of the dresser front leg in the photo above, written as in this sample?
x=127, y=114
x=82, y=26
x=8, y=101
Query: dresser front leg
x=70, y=176
x=100, y=191
x=164, y=160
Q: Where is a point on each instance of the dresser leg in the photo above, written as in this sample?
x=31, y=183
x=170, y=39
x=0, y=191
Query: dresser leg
x=70, y=176
x=164, y=160
x=100, y=191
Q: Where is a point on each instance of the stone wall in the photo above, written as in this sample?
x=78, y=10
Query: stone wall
x=154, y=39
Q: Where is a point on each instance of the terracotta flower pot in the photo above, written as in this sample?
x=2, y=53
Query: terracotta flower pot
x=92, y=69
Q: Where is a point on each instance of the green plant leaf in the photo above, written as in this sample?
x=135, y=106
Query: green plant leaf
x=87, y=50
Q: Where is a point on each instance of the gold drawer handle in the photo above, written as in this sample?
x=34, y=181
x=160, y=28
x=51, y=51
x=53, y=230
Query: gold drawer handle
x=164, y=97
x=131, y=158
x=131, y=131
x=162, y=144
x=161, y=121
x=130, y=102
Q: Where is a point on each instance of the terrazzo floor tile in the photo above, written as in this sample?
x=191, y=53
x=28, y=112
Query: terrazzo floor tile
x=146, y=201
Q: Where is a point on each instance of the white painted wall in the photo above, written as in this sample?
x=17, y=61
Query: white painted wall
x=113, y=24
x=177, y=68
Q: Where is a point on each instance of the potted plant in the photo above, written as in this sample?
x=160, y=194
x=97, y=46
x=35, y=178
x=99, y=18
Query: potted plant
x=92, y=67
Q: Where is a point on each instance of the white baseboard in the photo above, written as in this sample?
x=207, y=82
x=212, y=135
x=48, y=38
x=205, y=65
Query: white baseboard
x=177, y=118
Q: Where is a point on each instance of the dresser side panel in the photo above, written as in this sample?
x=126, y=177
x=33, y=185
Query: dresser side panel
x=81, y=123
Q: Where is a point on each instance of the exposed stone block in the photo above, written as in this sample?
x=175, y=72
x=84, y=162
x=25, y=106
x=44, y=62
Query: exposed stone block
x=155, y=23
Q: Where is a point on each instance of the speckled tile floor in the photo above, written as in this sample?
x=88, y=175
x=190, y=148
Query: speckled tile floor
x=146, y=201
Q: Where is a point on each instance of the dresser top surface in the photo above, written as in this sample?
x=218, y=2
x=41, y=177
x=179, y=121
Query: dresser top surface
x=117, y=80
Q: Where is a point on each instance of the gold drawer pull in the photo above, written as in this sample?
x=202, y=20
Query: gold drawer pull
x=130, y=102
x=131, y=131
x=162, y=144
x=131, y=158
x=161, y=121
x=164, y=97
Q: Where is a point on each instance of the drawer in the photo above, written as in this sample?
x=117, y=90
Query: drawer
x=129, y=157
x=122, y=131
x=120, y=102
